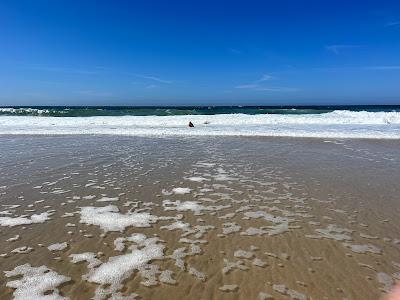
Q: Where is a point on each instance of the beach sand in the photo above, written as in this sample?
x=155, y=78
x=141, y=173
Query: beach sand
x=199, y=218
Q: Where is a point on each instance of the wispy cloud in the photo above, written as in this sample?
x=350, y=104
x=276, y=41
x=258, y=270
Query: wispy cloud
x=62, y=70
x=154, y=78
x=34, y=94
x=265, y=77
x=336, y=49
x=257, y=87
x=46, y=82
x=356, y=69
x=277, y=89
x=254, y=84
x=392, y=24
x=246, y=86
x=258, y=84
x=93, y=93
x=234, y=51
x=382, y=68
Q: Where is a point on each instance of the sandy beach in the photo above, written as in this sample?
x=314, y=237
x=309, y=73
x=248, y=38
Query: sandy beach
x=113, y=217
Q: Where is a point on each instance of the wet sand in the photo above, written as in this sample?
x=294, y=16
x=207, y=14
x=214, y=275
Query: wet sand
x=199, y=218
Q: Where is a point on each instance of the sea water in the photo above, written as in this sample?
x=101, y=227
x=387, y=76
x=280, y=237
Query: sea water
x=374, y=122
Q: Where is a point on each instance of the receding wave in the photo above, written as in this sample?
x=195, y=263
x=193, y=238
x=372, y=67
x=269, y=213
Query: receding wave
x=335, y=124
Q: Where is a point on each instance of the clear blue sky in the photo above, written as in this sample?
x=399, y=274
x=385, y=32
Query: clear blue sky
x=209, y=52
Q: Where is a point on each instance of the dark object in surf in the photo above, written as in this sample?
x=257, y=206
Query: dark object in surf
x=191, y=124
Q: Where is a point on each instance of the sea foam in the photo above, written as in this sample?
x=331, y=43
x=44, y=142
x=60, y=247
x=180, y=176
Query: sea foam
x=111, y=274
x=110, y=219
x=22, y=220
x=36, y=283
x=336, y=124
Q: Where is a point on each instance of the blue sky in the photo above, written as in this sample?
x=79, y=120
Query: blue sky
x=199, y=52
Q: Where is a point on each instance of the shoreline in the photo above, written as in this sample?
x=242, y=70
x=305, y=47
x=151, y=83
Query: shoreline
x=188, y=136
x=280, y=216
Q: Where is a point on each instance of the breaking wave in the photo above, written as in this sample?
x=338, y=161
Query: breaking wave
x=334, y=124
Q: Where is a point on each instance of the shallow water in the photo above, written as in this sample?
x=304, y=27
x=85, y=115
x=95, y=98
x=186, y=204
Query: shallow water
x=199, y=218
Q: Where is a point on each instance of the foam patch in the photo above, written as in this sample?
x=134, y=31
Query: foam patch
x=89, y=257
x=181, y=191
x=109, y=218
x=229, y=288
x=363, y=248
x=36, y=283
x=183, y=206
x=111, y=274
x=332, y=231
x=197, y=179
x=34, y=219
x=57, y=246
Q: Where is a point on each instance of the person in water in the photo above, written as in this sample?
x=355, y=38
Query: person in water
x=191, y=124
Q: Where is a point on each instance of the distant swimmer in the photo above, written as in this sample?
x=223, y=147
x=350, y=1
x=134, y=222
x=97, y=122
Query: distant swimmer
x=191, y=124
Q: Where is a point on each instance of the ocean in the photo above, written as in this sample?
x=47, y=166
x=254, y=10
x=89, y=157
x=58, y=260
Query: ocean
x=372, y=122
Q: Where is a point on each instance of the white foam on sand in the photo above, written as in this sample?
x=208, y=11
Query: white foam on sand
x=259, y=263
x=197, y=179
x=181, y=191
x=196, y=273
x=282, y=289
x=58, y=246
x=166, y=277
x=89, y=257
x=198, y=231
x=107, y=199
x=183, y=206
x=265, y=296
x=386, y=280
x=243, y=254
x=266, y=216
x=254, y=231
x=229, y=288
x=229, y=228
x=177, y=225
x=332, y=231
x=22, y=250
x=110, y=219
x=34, y=219
x=36, y=283
x=281, y=224
x=14, y=238
x=179, y=254
x=137, y=238
x=363, y=248
x=229, y=266
x=111, y=274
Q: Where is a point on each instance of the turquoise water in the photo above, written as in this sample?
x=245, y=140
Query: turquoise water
x=75, y=111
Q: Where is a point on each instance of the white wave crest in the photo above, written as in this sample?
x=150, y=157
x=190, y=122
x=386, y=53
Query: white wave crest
x=336, y=124
x=17, y=111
